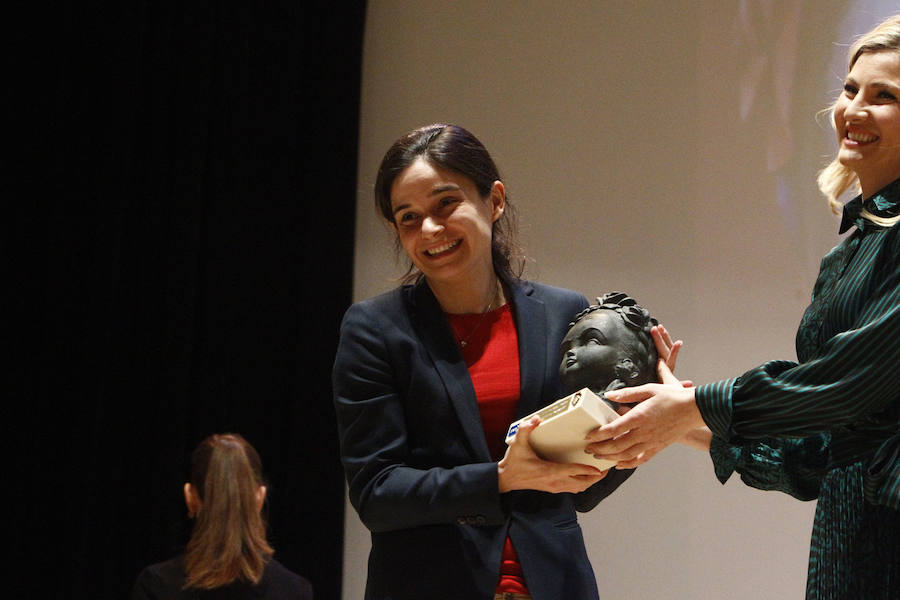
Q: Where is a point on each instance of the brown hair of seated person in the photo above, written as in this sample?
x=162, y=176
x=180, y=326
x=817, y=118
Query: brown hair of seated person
x=226, y=493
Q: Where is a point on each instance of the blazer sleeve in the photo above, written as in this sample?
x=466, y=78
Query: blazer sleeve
x=386, y=490
x=592, y=496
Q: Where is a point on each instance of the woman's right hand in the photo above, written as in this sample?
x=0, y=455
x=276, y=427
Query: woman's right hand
x=701, y=437
x=522, y=469
x=665, y=413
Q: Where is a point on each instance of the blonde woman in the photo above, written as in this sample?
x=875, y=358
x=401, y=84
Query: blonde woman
x=828, y=426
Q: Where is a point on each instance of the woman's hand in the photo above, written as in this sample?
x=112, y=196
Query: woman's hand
x=666, y=413
x=665, y=347
x=522, y=469
x=667, y=350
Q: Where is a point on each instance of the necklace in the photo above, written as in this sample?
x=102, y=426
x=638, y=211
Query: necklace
x=465, y=341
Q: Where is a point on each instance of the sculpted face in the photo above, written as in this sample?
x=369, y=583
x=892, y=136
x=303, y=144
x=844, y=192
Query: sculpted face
x=591, y=351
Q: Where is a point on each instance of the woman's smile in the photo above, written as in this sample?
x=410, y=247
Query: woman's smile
x=443, y=249
x=854, y=137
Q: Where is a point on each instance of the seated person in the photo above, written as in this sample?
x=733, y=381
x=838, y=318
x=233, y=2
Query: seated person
x=609, y=346
x=228, y=555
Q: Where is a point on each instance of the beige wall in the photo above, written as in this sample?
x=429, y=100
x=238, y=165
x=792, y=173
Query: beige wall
x=661, y=148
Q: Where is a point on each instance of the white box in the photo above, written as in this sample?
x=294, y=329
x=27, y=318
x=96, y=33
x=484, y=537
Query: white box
x=560, y=436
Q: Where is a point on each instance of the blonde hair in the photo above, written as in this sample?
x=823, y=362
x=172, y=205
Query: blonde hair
x=835, y=179
x=228, y=542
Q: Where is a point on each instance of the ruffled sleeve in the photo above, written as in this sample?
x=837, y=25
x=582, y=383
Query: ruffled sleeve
x=795, y=467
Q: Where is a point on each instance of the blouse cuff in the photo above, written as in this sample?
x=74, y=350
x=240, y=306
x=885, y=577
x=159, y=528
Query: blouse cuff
x=725, y=458
x=714, y=402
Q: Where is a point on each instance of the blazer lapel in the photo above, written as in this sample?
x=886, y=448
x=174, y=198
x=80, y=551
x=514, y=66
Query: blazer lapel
x=531, y=328
x=437, y=337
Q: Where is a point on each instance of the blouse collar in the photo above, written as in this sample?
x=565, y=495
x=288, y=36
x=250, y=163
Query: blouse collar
x=885, y=204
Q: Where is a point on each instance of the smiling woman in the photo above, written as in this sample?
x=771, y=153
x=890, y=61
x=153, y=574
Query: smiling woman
x=427, y=378
x=828, y=426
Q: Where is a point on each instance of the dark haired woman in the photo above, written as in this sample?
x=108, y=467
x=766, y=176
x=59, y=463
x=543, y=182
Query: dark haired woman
x=427, y=379
x=227, y=555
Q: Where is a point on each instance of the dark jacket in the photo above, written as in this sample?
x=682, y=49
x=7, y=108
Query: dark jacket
x=164, y=581
x=417, y=464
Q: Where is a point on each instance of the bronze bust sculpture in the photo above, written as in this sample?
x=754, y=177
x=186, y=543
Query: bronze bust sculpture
x=608, y=346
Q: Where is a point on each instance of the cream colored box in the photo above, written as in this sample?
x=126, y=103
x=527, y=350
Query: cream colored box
x=560, y=436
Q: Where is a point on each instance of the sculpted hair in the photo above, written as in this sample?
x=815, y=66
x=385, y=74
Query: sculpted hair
x=638, y=321
x=228, y=542
x=835, y=179
x=453, y=148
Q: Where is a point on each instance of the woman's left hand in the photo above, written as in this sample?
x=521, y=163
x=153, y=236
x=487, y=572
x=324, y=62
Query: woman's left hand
x=667, y=351
x=665, y=413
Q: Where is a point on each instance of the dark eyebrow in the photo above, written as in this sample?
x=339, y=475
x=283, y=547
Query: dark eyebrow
x=447, y=187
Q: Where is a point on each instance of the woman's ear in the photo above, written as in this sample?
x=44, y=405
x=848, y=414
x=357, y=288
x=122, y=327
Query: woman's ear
x=260, y=497
x=498, y=200
x=191, y=500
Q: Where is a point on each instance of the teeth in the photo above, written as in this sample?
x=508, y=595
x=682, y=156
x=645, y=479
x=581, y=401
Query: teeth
x=439, y=249
x=861, y=137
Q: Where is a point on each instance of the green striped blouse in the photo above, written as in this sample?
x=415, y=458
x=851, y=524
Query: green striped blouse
x=828, y=426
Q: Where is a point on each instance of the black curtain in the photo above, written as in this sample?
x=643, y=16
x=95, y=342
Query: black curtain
x=186, y=251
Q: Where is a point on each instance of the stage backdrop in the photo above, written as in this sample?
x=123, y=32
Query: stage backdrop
x=181, y=169
x=666, y=149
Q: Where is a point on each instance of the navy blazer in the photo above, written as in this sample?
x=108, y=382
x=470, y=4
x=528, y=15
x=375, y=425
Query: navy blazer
x=417, y=464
